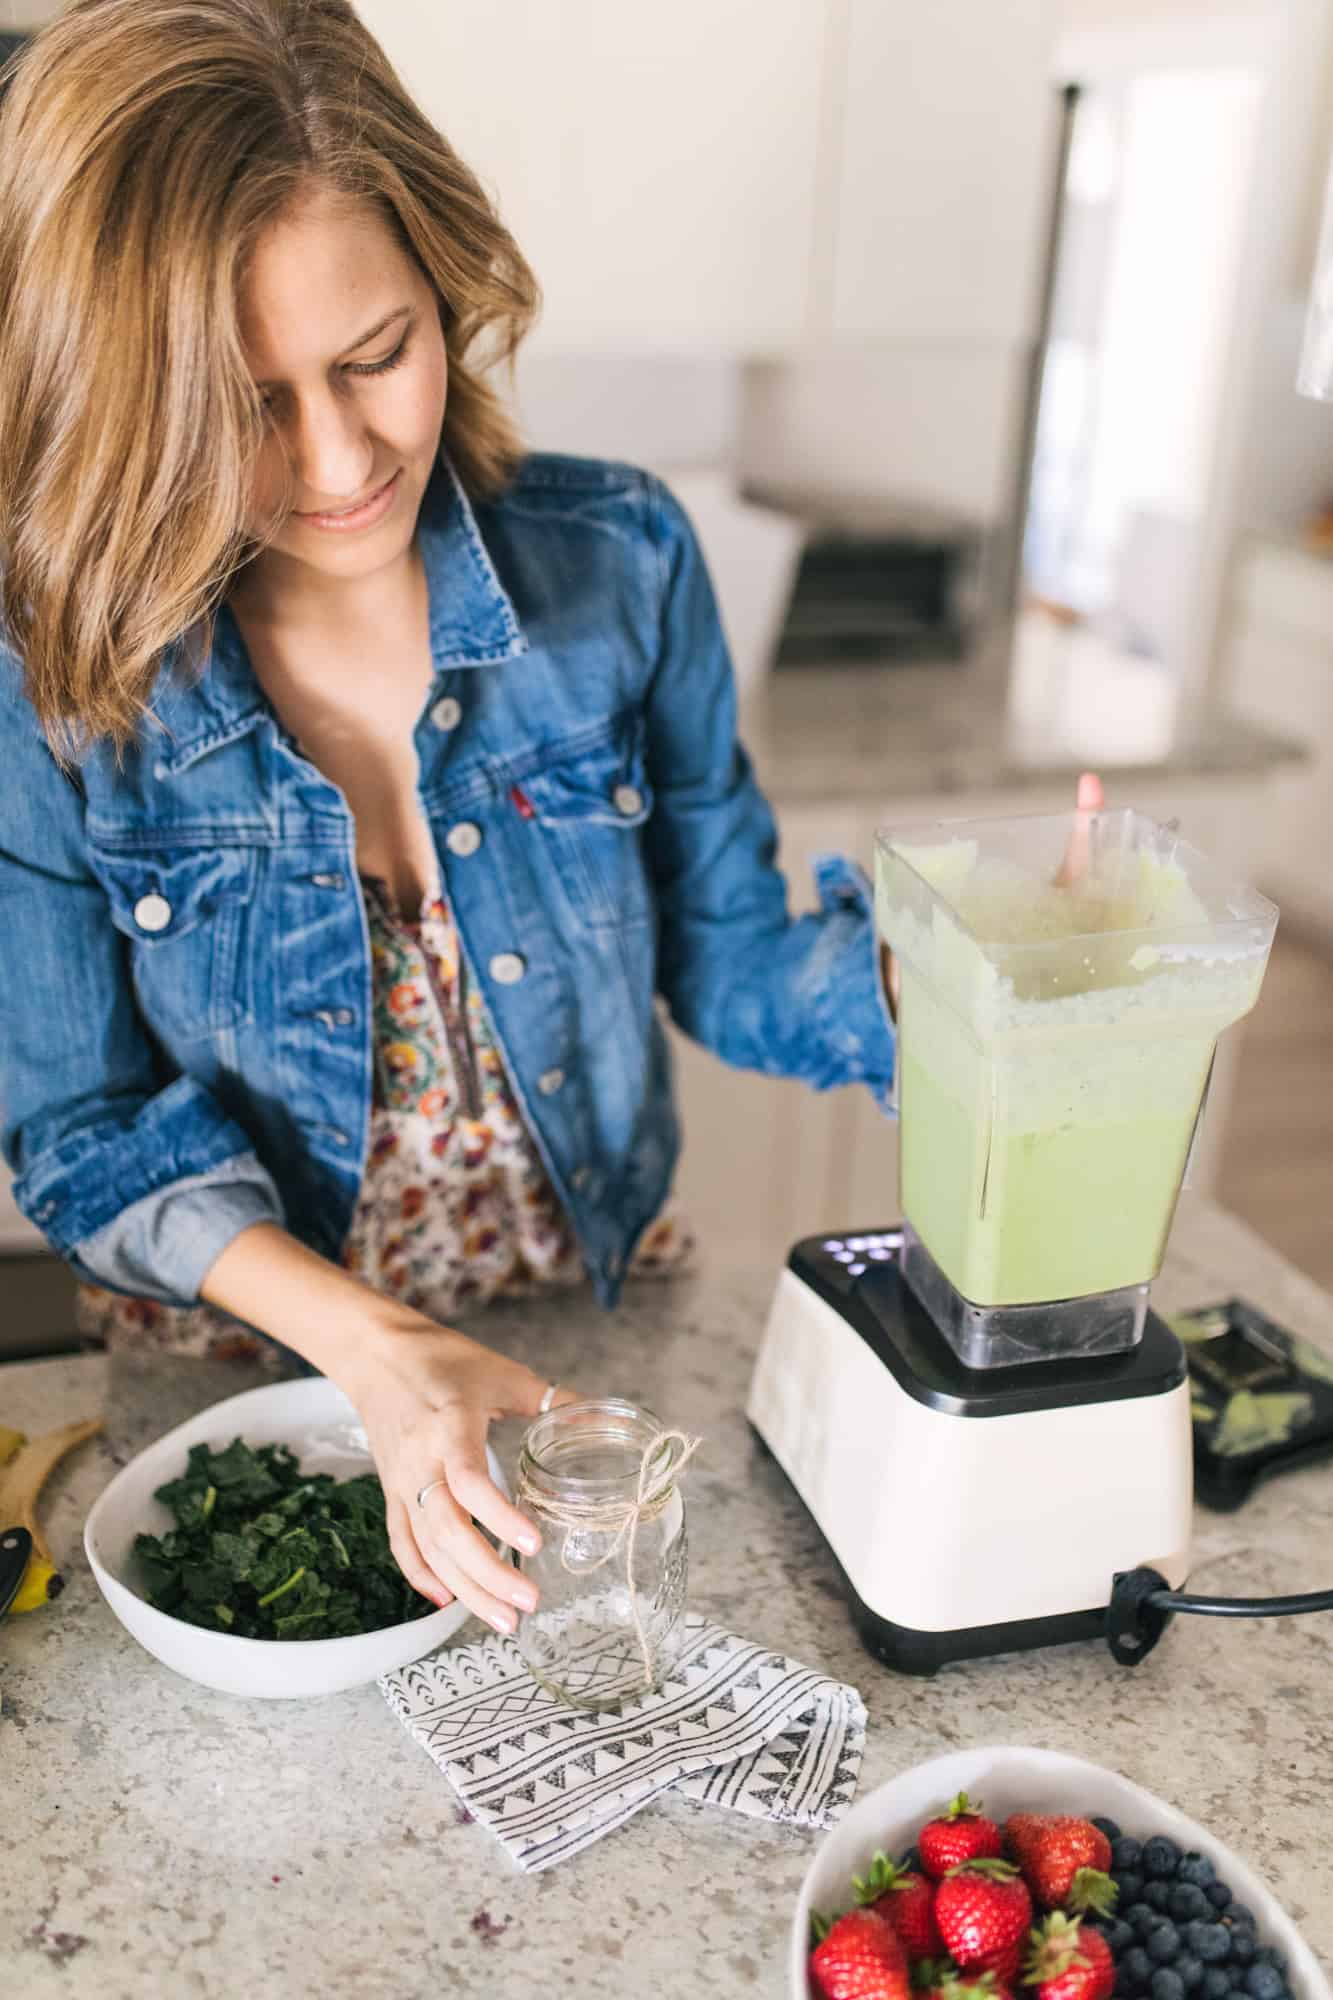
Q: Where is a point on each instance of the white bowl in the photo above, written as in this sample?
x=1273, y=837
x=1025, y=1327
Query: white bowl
x=323, y=1429
x=1010, y=1779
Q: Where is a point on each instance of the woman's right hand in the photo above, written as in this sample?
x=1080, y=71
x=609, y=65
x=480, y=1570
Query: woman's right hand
x=427, y=1397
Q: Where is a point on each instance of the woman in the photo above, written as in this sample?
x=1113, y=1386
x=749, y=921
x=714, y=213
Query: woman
x=366, y=779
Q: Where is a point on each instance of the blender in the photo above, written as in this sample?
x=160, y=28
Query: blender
x=977, y=1404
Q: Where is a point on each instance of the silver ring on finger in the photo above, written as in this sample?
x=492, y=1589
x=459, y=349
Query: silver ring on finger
x=424, y=1495
x=548, y=1397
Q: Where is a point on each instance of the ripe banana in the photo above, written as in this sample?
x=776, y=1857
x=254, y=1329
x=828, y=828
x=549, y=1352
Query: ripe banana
x=24, y=1469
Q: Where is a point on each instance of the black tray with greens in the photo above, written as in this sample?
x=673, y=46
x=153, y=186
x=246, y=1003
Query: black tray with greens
x=264, y=1551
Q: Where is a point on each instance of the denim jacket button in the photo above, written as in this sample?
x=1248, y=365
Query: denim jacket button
x=447, y=713
x=628, y=800
x=550, y=1081
x=463, y=839
x=152, y=913
x=507, y=968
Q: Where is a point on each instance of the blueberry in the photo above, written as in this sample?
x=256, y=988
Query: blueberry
x=1186, y=1899
x=1238, y=1914
x=1163, y=1943
x=912, y=1861
x=1212, y=1942
x=1130, y=1885
x=1157, y=1895
x=1120, y=1936
x=1216, y=1983
x=1268, y=1954
x=1161, y=1857
x=1218, y=1894
x=1190, y=1970
x=1144, y=1918
x=1125, y=1853
x=1264, y=1982
x=1196, y=1868
x=1110, y=1829
x=1137, y=1964
x=1240, y=1944
x=1126, y=1986
x=1166, y=1984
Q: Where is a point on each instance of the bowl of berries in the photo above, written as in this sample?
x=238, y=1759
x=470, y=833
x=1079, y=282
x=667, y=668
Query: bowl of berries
x=1022, y=1874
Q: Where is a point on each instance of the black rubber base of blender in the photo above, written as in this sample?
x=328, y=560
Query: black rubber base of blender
x=908, y=1651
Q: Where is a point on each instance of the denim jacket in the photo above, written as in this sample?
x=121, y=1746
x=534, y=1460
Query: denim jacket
x=185, y=1013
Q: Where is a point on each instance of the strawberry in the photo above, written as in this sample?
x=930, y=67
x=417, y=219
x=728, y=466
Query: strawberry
x=983, y=1910
x=960, y=1833
x=1064, y=1860
x=905, y=1900
x=860, y=1958
x=1069, y=1961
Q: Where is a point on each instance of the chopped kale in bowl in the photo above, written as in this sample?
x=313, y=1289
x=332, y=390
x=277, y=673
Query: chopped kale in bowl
x=263, y=1551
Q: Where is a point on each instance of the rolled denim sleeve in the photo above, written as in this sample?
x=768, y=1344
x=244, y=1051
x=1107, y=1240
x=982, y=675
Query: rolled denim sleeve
x=139, y=1180
x=793, y=996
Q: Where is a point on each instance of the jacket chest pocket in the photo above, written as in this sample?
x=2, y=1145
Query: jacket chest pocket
x=592, y=807
x=183, y=912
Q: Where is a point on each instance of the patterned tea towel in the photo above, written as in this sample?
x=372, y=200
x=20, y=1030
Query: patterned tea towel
x=733, y=1725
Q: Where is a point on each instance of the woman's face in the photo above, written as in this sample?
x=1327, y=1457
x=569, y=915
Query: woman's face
x=342, y=335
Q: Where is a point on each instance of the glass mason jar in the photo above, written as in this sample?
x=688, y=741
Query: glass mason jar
x=601, y=1479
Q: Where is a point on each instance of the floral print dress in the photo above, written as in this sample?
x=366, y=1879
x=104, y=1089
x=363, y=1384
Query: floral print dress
x=456, y=1207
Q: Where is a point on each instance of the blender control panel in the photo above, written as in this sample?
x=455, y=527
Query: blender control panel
x=852, y=1256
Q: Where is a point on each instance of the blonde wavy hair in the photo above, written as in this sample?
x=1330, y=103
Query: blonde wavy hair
x=144, y=146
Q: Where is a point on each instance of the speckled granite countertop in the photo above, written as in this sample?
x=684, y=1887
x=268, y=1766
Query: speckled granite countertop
x=160, y=1840
x=885, y=734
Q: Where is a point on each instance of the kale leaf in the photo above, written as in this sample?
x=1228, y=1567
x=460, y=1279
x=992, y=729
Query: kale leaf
x=264, y=1551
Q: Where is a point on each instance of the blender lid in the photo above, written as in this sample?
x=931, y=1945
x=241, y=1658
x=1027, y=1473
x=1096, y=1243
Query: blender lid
x=996, y=879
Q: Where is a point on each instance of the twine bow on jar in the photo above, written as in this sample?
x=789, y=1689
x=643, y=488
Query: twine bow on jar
x=619, y=1518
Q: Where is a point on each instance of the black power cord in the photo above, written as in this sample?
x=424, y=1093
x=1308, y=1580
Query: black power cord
x=1143, y=1605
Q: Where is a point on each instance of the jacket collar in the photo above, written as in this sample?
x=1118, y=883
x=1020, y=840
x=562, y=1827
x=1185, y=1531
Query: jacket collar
x=472, y=624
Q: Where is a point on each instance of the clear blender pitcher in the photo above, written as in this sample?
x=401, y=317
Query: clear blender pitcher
x=1055, y=1046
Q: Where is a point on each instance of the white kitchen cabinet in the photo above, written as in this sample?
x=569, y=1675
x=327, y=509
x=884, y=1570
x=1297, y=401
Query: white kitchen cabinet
x=657, y=169
x=1277, y=667
x=935, y=187
x=943, y=176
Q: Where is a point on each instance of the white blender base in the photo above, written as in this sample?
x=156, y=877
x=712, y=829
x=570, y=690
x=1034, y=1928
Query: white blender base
x=962, y=1536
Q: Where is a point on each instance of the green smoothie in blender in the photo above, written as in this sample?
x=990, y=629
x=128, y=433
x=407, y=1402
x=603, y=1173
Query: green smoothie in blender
x=1055, y=1042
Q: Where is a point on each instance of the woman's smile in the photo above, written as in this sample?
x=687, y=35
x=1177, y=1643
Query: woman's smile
x=363, y=514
